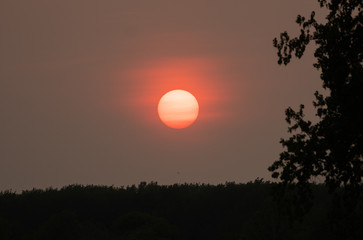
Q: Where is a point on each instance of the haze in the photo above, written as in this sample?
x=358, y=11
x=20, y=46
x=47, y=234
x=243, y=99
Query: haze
x=79, y=81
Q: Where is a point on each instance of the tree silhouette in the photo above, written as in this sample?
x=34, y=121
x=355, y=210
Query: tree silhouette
x=333, y=147
x=61, y=226
x=227, y=211
x=139, y=226
x=5, y=229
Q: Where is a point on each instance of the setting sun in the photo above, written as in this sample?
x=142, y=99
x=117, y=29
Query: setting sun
x=178, y=109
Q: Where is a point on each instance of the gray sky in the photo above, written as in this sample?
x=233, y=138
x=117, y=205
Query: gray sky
x=80, y=82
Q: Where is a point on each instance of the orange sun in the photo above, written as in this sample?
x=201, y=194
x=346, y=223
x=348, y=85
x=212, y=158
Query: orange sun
x=178, y=109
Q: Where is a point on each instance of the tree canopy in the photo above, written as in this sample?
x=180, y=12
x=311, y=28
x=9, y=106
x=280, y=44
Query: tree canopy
x=332, y=147
x=150, y=211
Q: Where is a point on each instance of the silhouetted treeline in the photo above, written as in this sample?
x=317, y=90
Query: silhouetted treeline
x=151, y=211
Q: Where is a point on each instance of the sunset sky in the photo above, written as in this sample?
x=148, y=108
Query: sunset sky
x=80, y=82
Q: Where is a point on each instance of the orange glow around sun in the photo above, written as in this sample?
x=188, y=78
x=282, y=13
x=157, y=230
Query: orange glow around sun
x=178, y=109
x=146, y=82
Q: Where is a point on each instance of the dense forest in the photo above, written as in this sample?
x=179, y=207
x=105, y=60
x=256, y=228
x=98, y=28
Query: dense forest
x=152, y=211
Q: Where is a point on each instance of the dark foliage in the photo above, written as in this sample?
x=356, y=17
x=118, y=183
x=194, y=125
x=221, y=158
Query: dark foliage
x=331, y=148
x=151, y=211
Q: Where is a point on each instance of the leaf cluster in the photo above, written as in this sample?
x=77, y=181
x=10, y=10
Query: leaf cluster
x=331, y=148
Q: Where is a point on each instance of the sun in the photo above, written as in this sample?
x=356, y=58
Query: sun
x=178, y=109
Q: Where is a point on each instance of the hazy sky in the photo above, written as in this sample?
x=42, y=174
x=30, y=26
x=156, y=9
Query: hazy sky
x=80, y=82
